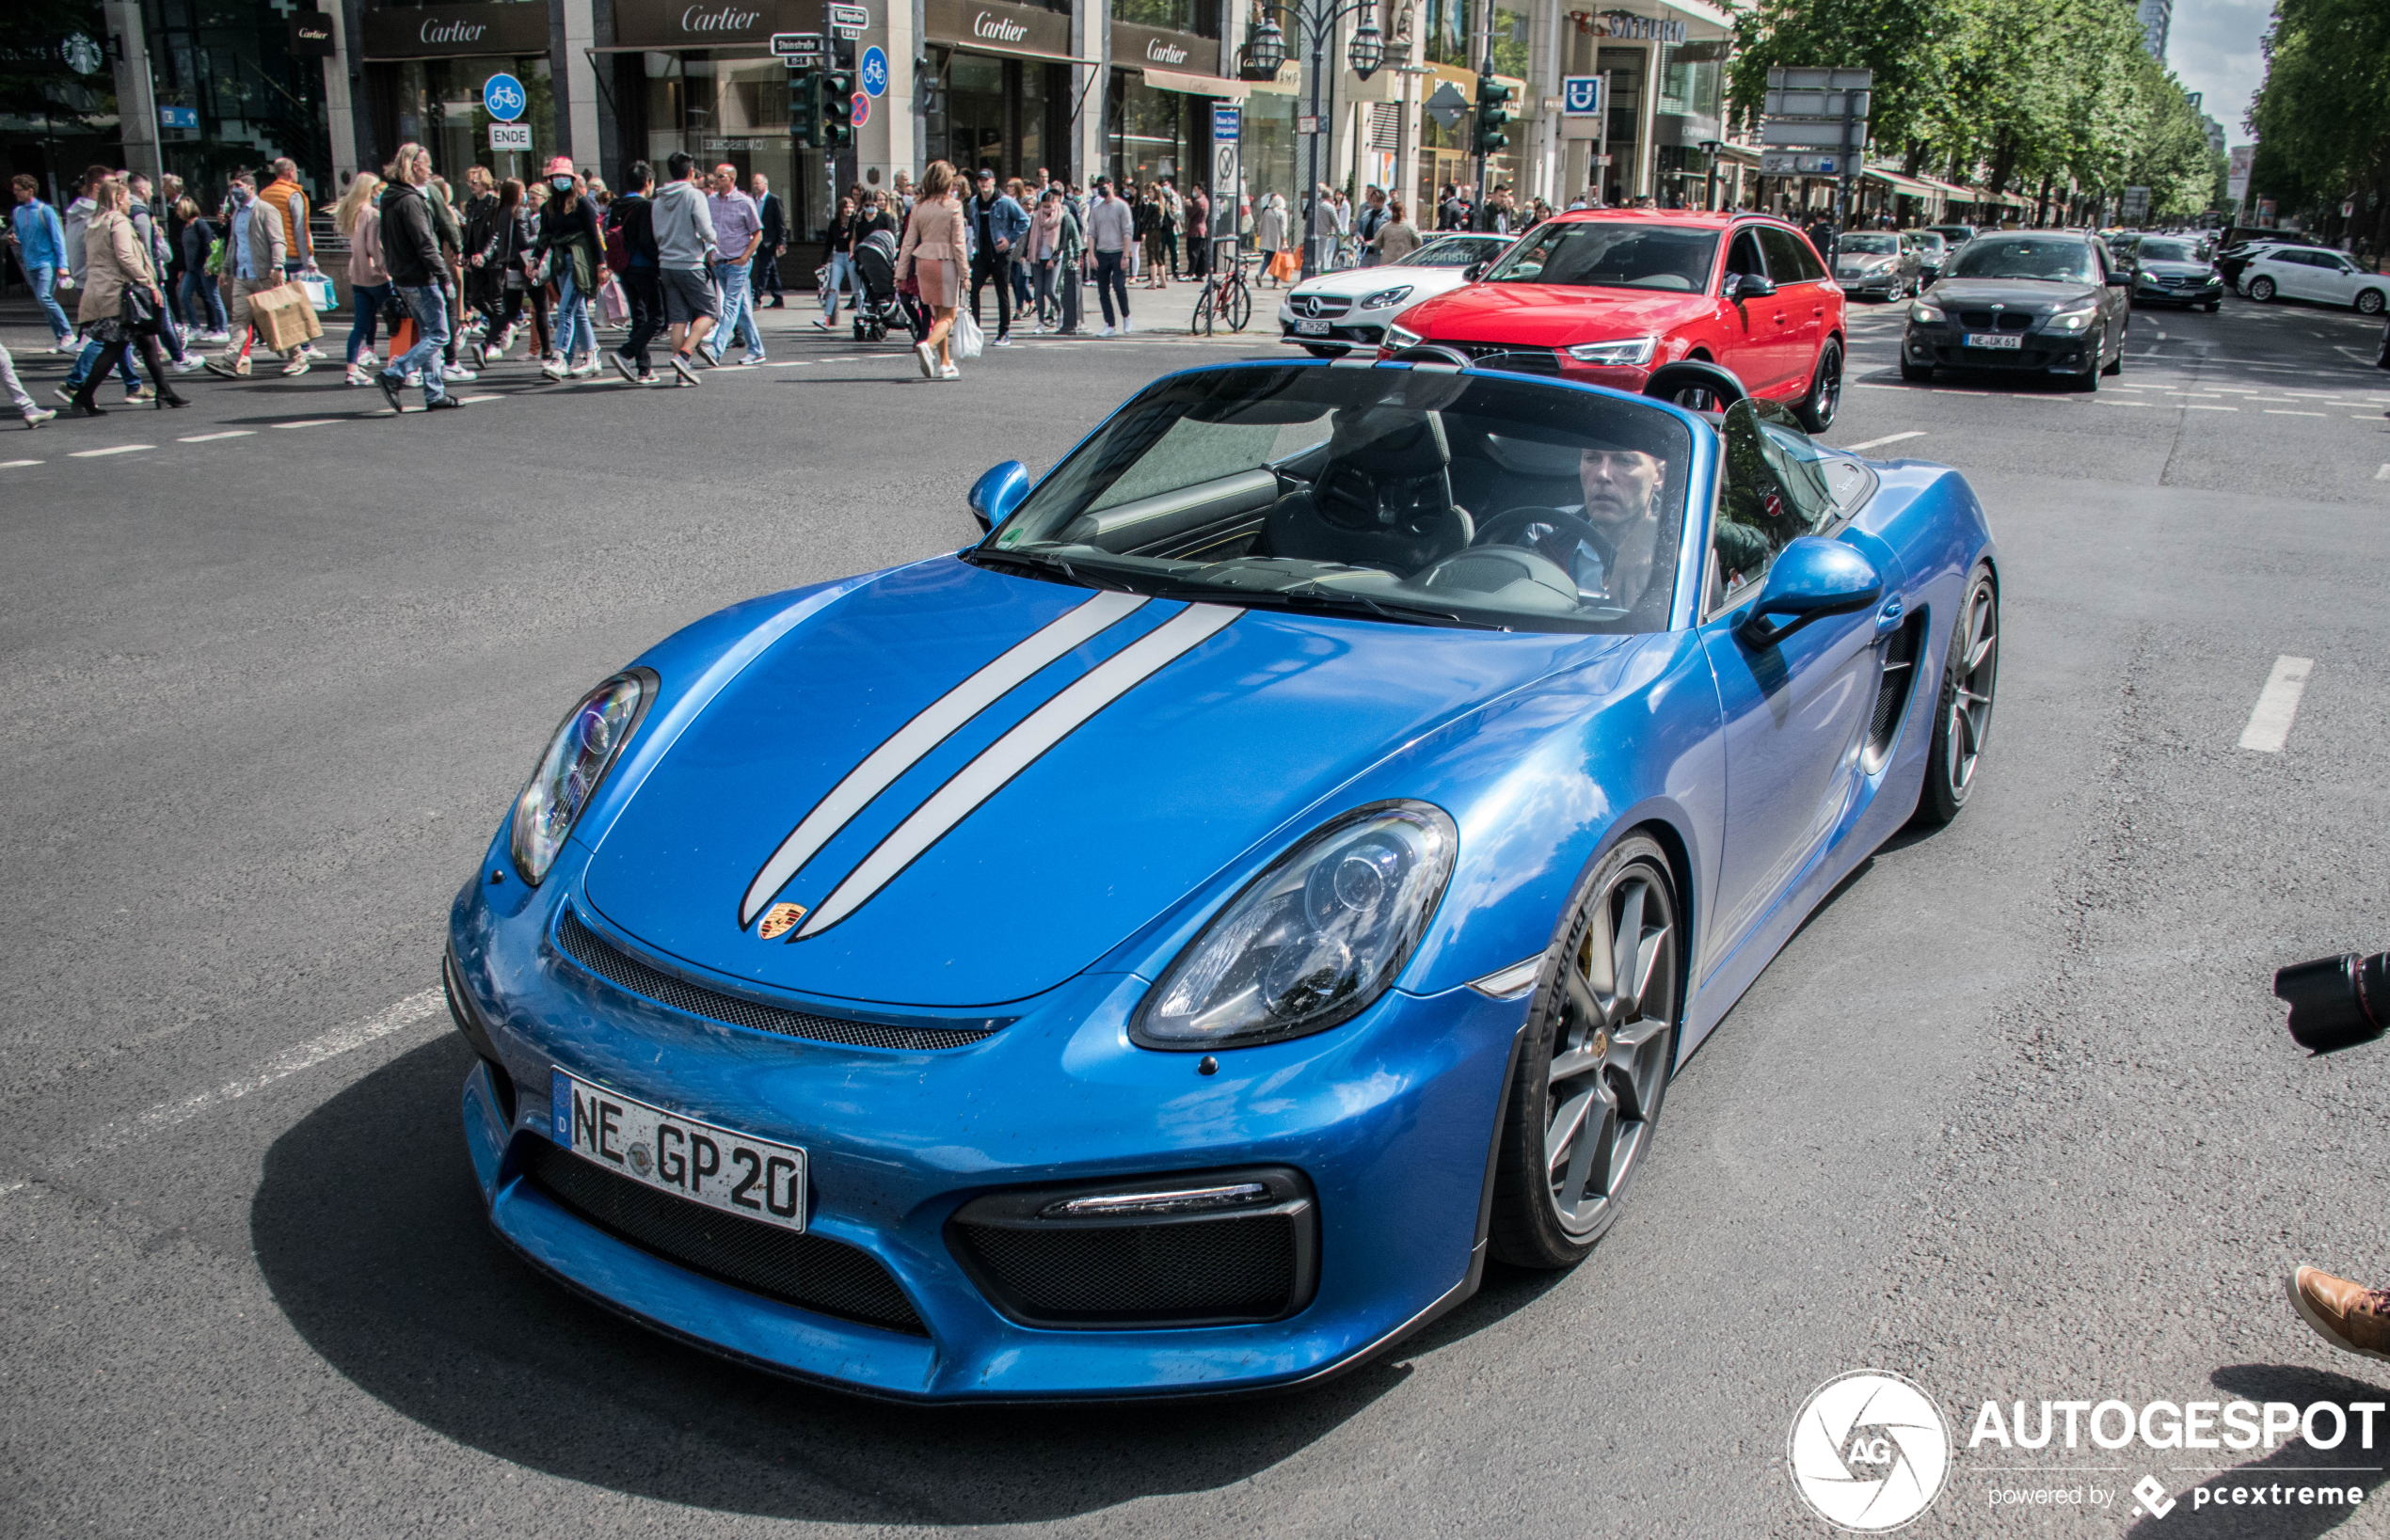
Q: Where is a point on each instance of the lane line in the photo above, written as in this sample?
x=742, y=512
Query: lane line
x=11, y=464
x=166, y=1115
x=2381, y=475
x=309, y=422
x=2268, y=726
x=1888, y=438
x=2203, y=406
x=2280, y=411
x=211, y=437
x=115, y=449
x=467, y=401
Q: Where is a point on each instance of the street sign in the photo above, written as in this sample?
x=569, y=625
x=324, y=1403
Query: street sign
x=503, y=98
x=790, y=45
x=1830, y=134
x=1580, y=96
x=874, y=72
x=1816, y=103
x=861, y=109
x=1227, y=122
x=1820, y=80
x=849, y=19
x=178, y=118
x=1306, y=123
x=1785, y=164
x=2136, y=205
x=1447, y=107
x=514, y=136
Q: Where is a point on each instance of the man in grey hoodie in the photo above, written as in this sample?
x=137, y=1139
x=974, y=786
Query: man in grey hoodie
x=684, y=252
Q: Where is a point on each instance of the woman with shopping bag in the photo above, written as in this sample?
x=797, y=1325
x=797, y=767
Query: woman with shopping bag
x=121, y=301
x=935, y=243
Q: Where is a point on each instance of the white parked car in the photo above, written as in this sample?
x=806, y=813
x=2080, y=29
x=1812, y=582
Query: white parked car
x=2306, y=272
x=1336, y=312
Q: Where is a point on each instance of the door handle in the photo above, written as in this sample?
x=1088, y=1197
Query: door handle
x=1779, y=318
x=1888, y=619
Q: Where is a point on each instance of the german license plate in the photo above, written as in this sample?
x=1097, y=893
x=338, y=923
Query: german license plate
x=1985, y=339
x=704, y=1163
x=1312, y=329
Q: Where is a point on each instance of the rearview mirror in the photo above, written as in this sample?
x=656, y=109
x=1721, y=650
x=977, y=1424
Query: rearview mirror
x=1474, y=271
x=1812, y=577
x=998, y=492
x=1749, y=286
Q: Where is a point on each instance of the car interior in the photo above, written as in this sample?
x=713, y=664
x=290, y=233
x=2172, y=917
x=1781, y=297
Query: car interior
x=1612, y=255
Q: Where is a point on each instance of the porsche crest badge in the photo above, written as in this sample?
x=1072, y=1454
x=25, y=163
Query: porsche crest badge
x=780, y=919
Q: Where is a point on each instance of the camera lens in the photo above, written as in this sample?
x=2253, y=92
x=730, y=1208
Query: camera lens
x=2336, y=1001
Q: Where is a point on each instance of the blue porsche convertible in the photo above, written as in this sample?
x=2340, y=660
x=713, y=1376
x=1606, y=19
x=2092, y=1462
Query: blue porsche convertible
x=1169, y=946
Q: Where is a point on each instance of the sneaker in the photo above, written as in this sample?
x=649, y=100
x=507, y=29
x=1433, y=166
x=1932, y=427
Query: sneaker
x=752, y=360
x=710, y=356
x=506, y=340
x=298, y=364
x=1003, y=340
x=64, y=395
x=950, y=372
x=1126, y=326
x=237, y=369
x=218, y=336
x=37, y=417
x=490, y=356
x=186, y=364
x=358, y=374
x=309, y=351
x=582, y=369
x=457, y=373
x=391, y=385
x=927, y=357
x=441, y=404
x=554, y=370
x=2349, y=1316
x=141, y=395
x=826, y=323
x=1107, y=331
x=681, y=367
x=414, y=379
x=651, y=377
x=624, y=367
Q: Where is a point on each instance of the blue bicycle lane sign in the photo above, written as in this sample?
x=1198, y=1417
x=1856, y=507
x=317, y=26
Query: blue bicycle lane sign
x=502, y=97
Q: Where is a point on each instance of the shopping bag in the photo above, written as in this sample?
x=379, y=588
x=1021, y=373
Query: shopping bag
x=319, y=290
x=968, y=338
x=284, y=317
x=613, y=302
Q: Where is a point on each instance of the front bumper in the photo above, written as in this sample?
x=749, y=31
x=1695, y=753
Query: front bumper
x=2039, y=352
x=1878, y=285
x=2205, y=294
x=1345, y=333
x=1387, y=1121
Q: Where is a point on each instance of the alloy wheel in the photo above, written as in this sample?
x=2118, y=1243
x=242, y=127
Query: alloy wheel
x=1970, y=702
x=1610, y=1048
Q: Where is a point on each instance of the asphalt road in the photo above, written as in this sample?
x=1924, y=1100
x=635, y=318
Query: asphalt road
x=2013, y=1115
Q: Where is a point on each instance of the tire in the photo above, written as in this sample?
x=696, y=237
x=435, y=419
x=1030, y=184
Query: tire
x=1200, y=325
x=1915, y=373
x=1816, y=410
x=2370, y=302
x=2261, y=289
x=1962, y=712
x=2116, y=365
x=1240, y=308
x=1616, y=1050
x=2213, y=306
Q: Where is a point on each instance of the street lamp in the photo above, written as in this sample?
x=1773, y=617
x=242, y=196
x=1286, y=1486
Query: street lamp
x=1265, y=53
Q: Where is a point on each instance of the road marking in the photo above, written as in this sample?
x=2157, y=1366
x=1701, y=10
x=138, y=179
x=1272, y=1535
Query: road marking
x=11, y=464
x=211, y=437
x=2106, y=402
x=2203, y=406
x=114, y=449
x=1888, y=438
x=791, y=363
x=2270, y=723
x=2381, y=475
x=166, y=1115
x=308, y=422
x=467, y=401
x=2280, y=411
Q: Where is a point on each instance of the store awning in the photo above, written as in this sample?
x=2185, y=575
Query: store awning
x=1014, y=50
x=1907, y=187
x=1172, y=80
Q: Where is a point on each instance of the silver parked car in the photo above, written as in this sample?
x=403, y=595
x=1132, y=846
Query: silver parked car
x=1881, y=262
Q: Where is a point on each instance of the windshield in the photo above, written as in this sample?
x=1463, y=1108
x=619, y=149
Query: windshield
x=1871, y=245
x=1929, y=240
x=1424, y=497
x=2153, y=250
x=1454, y=251
x=2025, y=257
x=1605, y=255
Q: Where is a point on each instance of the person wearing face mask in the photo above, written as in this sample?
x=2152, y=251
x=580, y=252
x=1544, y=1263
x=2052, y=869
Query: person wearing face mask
x=576, y=248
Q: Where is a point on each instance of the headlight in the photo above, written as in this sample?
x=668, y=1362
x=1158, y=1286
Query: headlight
x=1924, y=314
x=1635, y=350
x=1384, y=297
x=1313, y=940
x=584, y=749
x=2075, y=320
x=1400, y=338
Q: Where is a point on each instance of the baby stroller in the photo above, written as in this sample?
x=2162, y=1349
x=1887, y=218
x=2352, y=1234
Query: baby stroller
x=878, y=305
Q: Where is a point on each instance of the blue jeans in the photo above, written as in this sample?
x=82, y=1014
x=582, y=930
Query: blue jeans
x=574, y=334
x=738, y=316
x=45, y=283
x=207, y=312
x=842, y=276
x=369, y=298
x=430, y=310
x=90, y=355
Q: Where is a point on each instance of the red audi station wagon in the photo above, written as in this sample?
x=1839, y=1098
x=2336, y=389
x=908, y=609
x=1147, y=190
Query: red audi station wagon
x=1607, y=295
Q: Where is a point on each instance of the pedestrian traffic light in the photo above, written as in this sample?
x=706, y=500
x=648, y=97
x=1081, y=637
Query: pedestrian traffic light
x=837, y=106
x=804, y=108
x=1494, y=111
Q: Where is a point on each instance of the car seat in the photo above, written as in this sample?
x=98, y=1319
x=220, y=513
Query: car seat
x=1383, y=498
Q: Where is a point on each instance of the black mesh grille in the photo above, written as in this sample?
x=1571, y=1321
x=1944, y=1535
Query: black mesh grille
x=1217, y=1268
x=1517, y=361
x=585, y=947
x=1996, y=320
x=808, y=1271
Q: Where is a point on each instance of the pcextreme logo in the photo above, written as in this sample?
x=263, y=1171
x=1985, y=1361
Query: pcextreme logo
x=1869, y=1450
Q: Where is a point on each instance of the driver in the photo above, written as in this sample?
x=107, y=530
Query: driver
x=1611, y=552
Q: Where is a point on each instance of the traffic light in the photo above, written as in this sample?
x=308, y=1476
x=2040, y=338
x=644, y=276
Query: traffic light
x=1494, y=111
x=804, y=108
x=837, y=106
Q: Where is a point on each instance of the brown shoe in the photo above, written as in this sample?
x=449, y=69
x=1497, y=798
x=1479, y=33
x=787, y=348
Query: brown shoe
x=2349, y=1316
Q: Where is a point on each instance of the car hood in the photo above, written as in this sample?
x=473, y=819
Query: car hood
x=1175, y=778
x=1851, y=261
x=1552, y=314
x=1355, y=282
x=2029, y=296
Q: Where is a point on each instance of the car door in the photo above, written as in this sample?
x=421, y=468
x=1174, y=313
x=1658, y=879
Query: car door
x=1796, y=710
x=2294, y=279
x=2336, y=277
x=1753, y=346
x=1800, y=280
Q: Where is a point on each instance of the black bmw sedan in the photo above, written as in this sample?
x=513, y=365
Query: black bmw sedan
x=2168, y=270
x=2051, y=302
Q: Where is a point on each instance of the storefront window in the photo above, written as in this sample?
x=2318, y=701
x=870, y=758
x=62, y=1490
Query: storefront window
x=723, y=106
x=1268, y=148
x=1689, y=88
x=999, y=112
x=1201, y=16
x=1452, y=36
x=229, y=60
x=438, y=104
x=1150, y=133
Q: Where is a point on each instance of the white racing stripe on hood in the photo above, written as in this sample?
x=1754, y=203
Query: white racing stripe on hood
x=1015, y=750
x=909, y=743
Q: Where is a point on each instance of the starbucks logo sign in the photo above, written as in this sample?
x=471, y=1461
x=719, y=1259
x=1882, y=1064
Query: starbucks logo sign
x=82, y=52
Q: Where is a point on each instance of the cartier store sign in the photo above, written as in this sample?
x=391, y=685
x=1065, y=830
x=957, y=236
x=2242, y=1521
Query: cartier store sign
x=996, y=28
x=711, y=23
x=1141, y=47
x=437, y=32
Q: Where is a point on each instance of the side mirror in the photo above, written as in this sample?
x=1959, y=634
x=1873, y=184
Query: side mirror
x=2120, y=280
x=1474, y=271
x=1812, y=577
x=1741, y=286
x=998, y=492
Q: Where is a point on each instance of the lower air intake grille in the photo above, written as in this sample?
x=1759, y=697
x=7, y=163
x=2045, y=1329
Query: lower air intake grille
x=1892, y=692
x=1516, y=360
x=808, y=1271
x=585, y=947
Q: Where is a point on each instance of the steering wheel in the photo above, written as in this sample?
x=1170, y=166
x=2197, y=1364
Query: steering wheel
x=1511, y=528
x=1491, y=569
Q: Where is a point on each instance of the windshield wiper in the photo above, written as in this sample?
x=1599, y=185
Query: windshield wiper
x=1042, y=561
x=1396, y=610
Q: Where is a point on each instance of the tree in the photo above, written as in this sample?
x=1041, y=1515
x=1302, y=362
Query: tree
x=2322, y=116
x=1904, y=41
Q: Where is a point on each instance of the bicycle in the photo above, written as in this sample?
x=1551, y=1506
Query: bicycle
x=1226, y=297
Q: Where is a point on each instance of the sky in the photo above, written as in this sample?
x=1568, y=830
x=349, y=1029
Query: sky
x=2211, y=46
